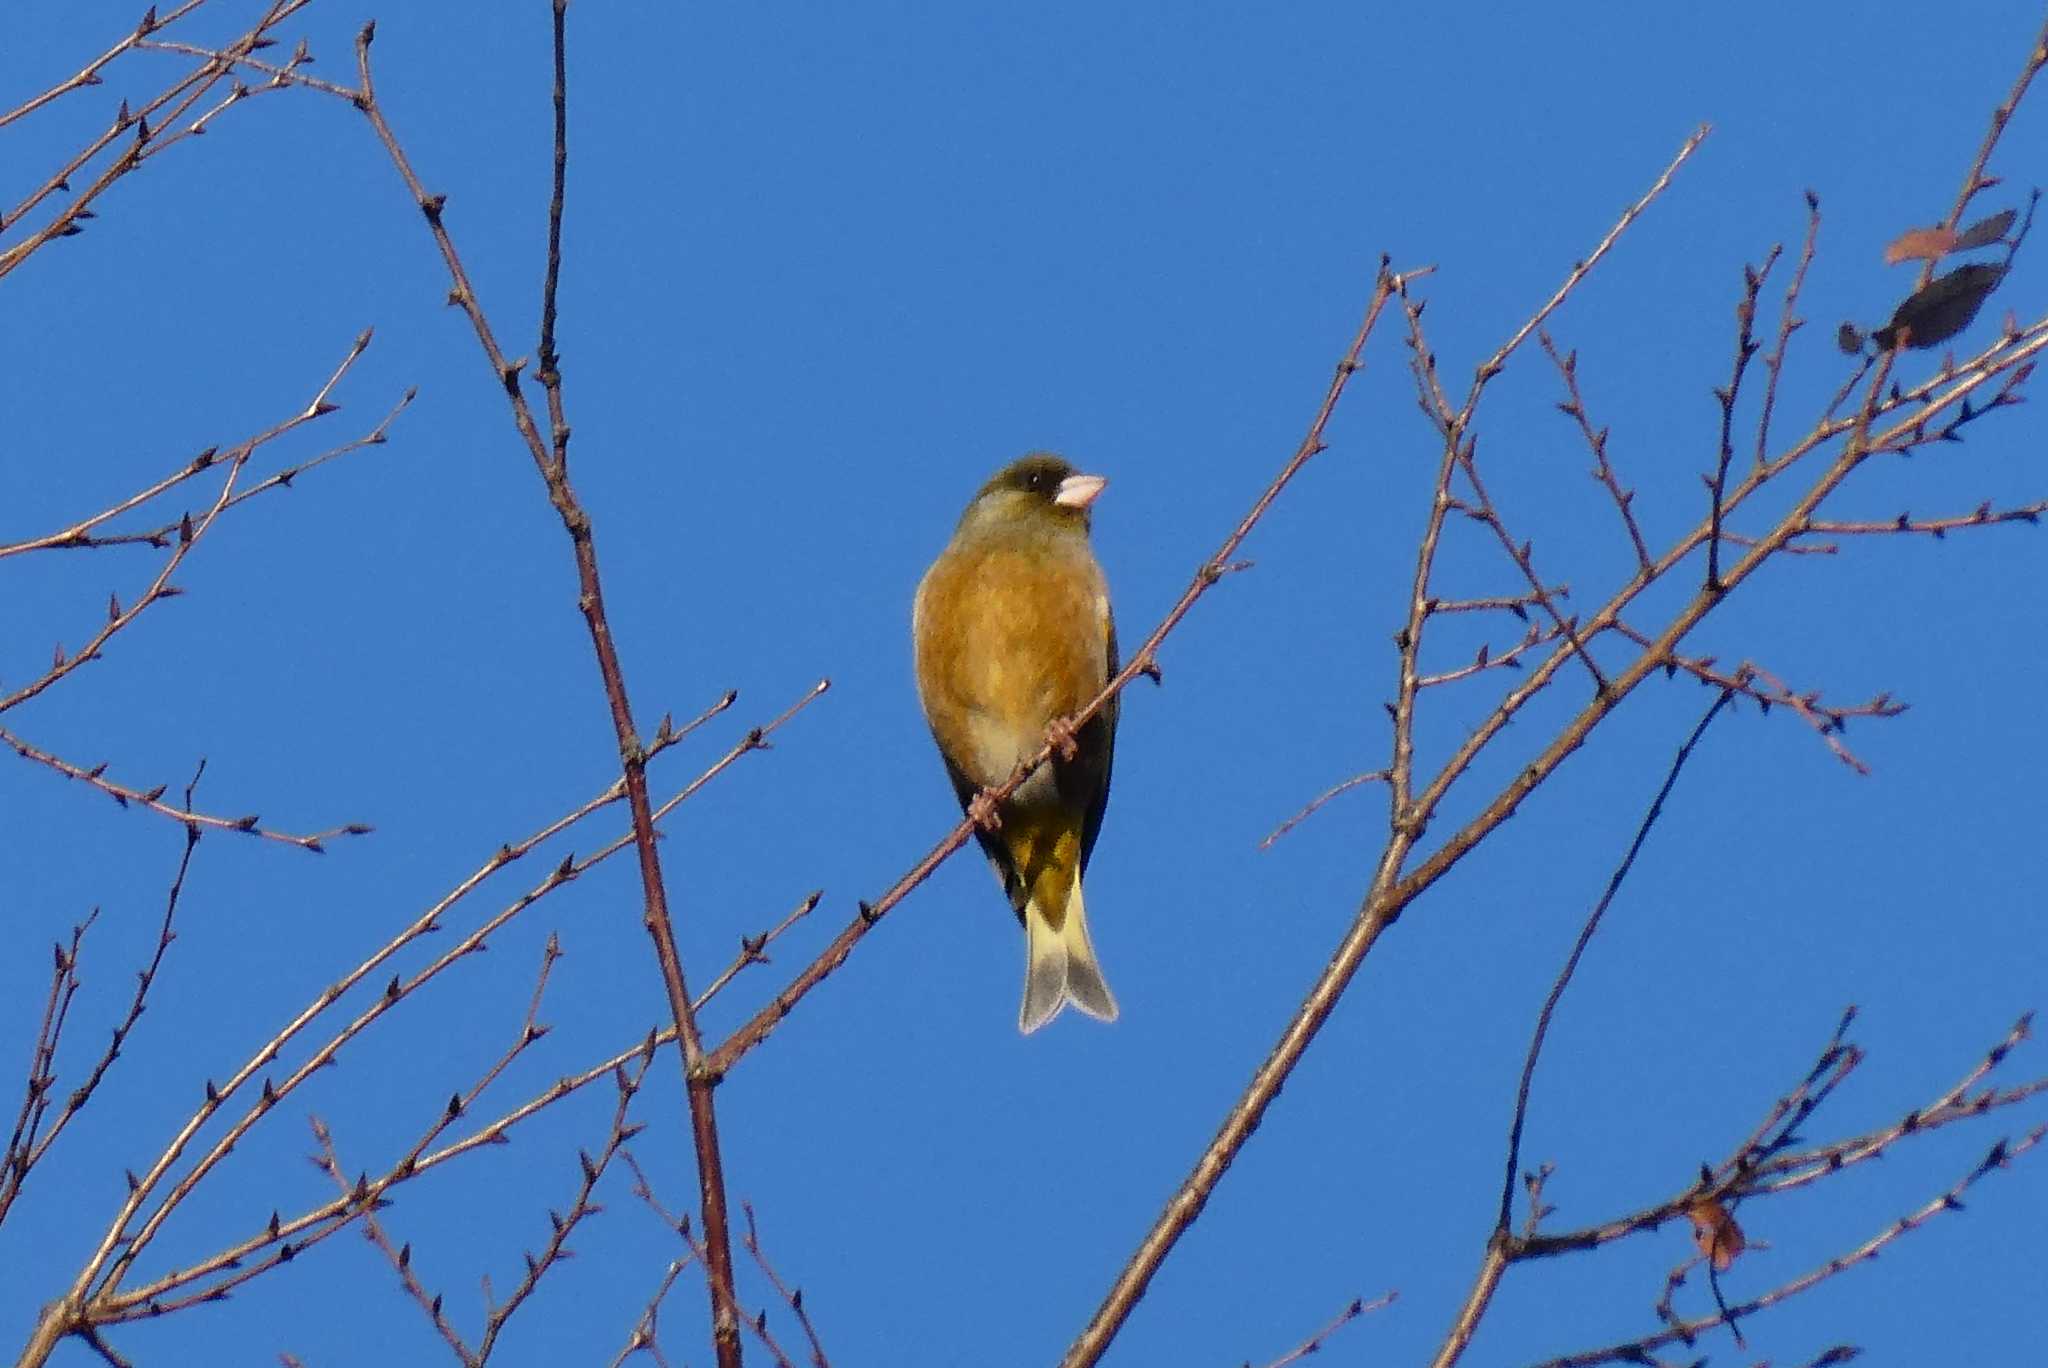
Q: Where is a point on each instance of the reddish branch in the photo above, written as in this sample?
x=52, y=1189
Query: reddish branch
x=1764, y=1163
x=29, y=1141
x=1142, y=661
x=1574, y=407
x=143, y=133
x=551, y=461
x=1389, y=893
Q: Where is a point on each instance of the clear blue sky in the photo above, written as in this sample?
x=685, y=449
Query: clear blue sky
x=828, y=267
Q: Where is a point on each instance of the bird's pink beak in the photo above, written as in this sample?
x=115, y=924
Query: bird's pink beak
x=1078, y=491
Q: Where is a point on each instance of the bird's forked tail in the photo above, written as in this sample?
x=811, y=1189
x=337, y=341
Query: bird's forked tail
x=1060, y=966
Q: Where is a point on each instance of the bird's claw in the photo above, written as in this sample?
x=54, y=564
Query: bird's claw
x=981, y=810
x=1059, y=734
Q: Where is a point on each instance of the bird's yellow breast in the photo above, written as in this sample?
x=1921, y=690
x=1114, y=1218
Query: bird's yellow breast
x=1008, y=637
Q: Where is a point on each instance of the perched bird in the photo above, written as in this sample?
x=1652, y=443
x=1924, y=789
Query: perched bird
x=1013, y=635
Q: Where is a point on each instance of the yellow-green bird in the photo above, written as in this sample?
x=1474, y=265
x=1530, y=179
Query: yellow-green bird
x=1013, y=633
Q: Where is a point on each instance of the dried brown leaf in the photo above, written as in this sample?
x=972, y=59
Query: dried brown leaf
x=1715, y=1233
x=1921, y=244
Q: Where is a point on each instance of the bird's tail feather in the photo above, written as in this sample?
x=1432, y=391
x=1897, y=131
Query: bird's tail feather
x=1061, y=967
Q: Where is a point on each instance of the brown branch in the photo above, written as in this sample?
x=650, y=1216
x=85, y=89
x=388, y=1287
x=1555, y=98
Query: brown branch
x=1788, y=323
x=85, y=1302
x=1485, y=658
x=79, y=536
x=1388, y=894
x=1503, y=1223
x=397, y=991
x=1766, y=690
x=1768, y=1169
x=399, y=1256
x=561, y=1226
x=1314, y=804
x=89, y=74
x=1761, y=1165
x=1408, y=641
x=644, y=1329
x=1984, y=515
x=1521, y=554
x=279, y=75
x=190, y=533
x=644, y=1190
x=549, y=372
x=1974, y=179
x=753, y=949
x=366, y=1196
x=24, y=1149
x=1658, y=654
x=1501, y=1247
x=1518, y=604
x=144, y=129
x=152, y=799
x=1746, y=348
x=1314, y=1343
x=1574, y=407
x=361, y=1198
x=699, y=1081
x=1142, y=661
x=1494, y=364
x=795, y=1297
x=1633, y=1351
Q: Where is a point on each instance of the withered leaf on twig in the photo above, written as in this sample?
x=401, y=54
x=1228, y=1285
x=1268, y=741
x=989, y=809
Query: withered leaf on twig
x=1715, y=1233
x=1932, y=244
x=1934, y=314
x=1922, y=244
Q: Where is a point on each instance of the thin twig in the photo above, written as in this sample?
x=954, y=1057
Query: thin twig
x=795, y=1297
x=1746, y=348
x=1314, y=1343
x=1387, y=895
x=1142, y=661
x=24, y=1149
x=699, y=1081
x=1504, y=1220
x=1574, y=407
x=1789, y=322
x=1633, y=1351
x=1375, y=777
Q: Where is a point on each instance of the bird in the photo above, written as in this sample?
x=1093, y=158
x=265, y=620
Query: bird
x=1012, y=635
